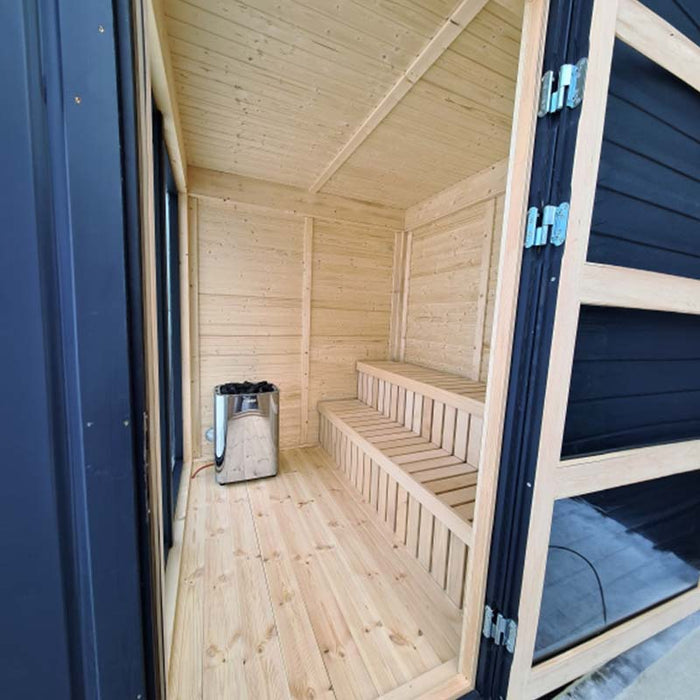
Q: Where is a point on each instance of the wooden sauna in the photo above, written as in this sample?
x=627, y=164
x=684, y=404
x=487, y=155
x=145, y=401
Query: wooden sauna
x=359, y=186
x=445, y=252
x=344, y=221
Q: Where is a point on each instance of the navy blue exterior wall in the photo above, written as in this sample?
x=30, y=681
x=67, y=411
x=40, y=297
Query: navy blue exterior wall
x=72, y=584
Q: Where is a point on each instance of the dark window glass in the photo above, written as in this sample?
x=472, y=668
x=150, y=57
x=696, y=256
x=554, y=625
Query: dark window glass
x=616, y=553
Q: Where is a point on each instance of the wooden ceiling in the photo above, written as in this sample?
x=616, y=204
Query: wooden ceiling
x=274, y=89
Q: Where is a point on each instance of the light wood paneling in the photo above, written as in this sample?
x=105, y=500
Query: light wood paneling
x=250, y=321
x=483, y=293
x=274, y=91
x=262, y=196
x=356, y=99
x=464, y=13
x=486, y=184
x=398, y=279
x=453, y=123
x=350, y=308
x=491, y=288
x=288, y=301
x=306, y=327
x=331, y=607
x=451, y=290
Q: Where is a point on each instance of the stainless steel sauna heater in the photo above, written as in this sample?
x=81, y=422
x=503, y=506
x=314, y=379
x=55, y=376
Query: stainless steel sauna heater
x=246, y=431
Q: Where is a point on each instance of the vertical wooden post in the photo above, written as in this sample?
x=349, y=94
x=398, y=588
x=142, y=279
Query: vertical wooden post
x=405, y=290
x=485, y=273
x=193, y=301
x=517, y=190
x=307, y=276
x=397, y=280
x=150, y=334
x=185, y=336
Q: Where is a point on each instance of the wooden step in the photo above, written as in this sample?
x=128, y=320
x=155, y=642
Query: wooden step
x=443, y=408
x=452, y=390
x=424, y=493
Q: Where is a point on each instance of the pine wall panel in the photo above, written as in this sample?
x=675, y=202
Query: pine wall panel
x=443, y=300
x=250, y=299
x=350, y=307
x=250, y=268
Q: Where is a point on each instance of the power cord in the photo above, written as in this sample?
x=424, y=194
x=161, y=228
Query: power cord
x=595, y=573
x=199, y=469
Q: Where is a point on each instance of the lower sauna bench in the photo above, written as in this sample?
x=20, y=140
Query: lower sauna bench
x=409, y=445
x=290, y=587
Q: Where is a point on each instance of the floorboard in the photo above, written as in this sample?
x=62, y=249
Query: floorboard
x=291, y=587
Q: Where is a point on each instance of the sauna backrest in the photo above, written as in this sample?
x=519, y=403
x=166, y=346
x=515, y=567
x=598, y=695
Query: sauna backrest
x=444, y=408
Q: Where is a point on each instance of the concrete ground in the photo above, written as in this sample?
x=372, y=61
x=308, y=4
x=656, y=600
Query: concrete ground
x=664, y=667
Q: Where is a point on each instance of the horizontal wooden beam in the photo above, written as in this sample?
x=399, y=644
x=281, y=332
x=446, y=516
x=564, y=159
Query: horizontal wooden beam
x=481, y=186
x=247, y=192
x=448, y=32
x=658, y=40
x=581, y=475
x=565, y=667
x=608, y=285
x=163, y=86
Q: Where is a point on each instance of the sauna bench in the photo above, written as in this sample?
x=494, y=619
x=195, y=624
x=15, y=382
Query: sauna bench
x=452, y=390
x=441, y=482
x=409, y=444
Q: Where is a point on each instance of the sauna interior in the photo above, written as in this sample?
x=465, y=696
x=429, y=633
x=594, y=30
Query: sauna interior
x=345, y=167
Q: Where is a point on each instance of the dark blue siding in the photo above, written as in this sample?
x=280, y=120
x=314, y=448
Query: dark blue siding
x=635, y=380
x=647, y=207
x=71, y=587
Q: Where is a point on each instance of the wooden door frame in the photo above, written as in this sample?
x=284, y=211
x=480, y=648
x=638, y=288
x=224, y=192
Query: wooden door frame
x=532, y=45
x=581, y=283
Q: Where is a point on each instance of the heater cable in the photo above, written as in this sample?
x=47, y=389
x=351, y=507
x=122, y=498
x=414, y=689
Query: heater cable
x=595, y=573
x=199, y=469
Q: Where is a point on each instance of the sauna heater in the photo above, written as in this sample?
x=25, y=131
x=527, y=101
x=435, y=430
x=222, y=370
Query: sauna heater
x=246, y=431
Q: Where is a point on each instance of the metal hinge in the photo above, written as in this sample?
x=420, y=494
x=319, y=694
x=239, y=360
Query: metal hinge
x=548, y=226
x=569, y=88
x=500, y=629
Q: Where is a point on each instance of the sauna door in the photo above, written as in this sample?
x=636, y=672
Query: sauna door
x=596, y=544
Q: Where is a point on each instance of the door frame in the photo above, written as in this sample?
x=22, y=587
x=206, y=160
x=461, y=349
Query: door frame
x=597, y=284
x=520, y=159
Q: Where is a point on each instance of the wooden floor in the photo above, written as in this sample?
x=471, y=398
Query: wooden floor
x=291, y=587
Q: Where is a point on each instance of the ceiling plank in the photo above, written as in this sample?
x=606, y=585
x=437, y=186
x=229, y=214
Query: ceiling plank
x=251, y=193
x=450, y=30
